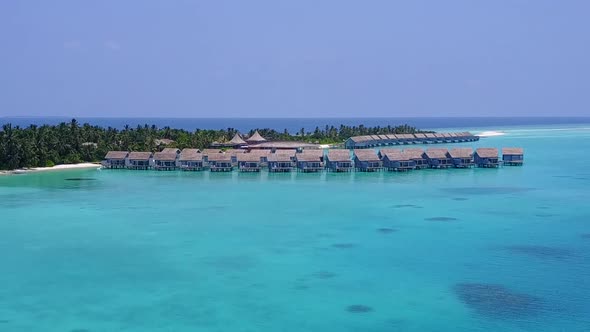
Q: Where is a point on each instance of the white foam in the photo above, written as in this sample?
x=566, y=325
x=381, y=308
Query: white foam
x=491, y=133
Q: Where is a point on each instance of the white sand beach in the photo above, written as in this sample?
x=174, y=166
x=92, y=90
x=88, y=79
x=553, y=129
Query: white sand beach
x=54, y=168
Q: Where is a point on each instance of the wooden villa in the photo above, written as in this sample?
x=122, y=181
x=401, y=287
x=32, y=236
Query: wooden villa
x=262, y=155
x=462, y=157
x=191, y=160
x=417, y=156
x=396, y=160
x=338, y=161
x=513, y=156
x=366, y=160
x=234, y=153
x=208, y=152
x=280, y=162
x=310, y=161
x=140, y=160
x=486, y=157
x=288, y=152
x=115, y=159
x=438, y=158
x=220, y=162
x=166, y=160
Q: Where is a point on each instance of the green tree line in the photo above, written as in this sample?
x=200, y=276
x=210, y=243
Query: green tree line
x=68, y=143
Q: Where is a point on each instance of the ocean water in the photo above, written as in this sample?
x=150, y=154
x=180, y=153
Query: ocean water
x=434, y=250
x=294, y=125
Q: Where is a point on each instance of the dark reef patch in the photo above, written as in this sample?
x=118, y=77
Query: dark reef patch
x=358, y=308
x=344, y=245
x=324, y=275
x=544, y=215
x=80, y=330
x=460, y=199
x=80, y=179
x=487, y=190
x=446, y=219
x=401, y=206
x=386, y=230
x=539, y=251
x=497, y=301
x=585, y=236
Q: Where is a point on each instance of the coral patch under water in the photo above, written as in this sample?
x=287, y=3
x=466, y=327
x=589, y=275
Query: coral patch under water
x=497, y=301
x=344, y=245
x=539, y=251
x=358, y=308
x=386, y=230
x=441, y=219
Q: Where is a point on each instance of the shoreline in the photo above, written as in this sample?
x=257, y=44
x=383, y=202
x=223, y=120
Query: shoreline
x=61, y=167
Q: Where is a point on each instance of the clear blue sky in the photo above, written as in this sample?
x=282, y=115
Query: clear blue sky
x=294, y=58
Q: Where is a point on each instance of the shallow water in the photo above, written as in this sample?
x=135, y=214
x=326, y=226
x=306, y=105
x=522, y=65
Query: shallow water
x=433, y=250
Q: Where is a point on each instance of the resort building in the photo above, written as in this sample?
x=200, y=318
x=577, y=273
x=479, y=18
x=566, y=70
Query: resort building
x=310, y=161
x=115, y=159
x=372, y=141
x=235, y=143
x=234, y=153
x=208, y=152
x=166, y=160
x=338, y=160
x=287, y=152
x=256, y=138
x=486, y=157
x=417, y=156
x=191, y=160
x=366, y=160
x=513, y=156
x=462, y=157
x=220, y=162
x=438, y=158
x=396, y=160
x=280, y=162
x=140, y=160
x=287, y=145
x=249, y=162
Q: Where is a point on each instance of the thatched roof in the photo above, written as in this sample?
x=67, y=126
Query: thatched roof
x=280, y=157
x=163, y=141
x=191, y=155
x=237, y=140
x=219, y=157
x=395, y=154
x=287, y=152
x=461, y=152
x=487, y=152
x=171, y=150
x=513, y=151
x=208, y=152
x=235, y=152
x=436, y=153
x=310, y=155
x=116, y=155
x=140, y=155
x=366, y=155
x=255, y=138
x=260, y=153
x=249, y=157
x=414, y=153
x=338, y=155
x=166, y=155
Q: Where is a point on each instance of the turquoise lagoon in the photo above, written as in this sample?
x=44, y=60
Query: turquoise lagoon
x=435, y=250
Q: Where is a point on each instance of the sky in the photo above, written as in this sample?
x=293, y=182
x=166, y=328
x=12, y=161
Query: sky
x=304, y=58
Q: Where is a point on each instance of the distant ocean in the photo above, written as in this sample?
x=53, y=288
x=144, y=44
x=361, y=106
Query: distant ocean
x=295, y=124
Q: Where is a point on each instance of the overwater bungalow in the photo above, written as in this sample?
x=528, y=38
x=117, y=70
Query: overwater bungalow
x=513, y=156
x=287, y=152
x=417, y=156
x=234, y=153
x=167, y=159
x=249, y=162
x=396, y=160
x=366, y=160
x=208, y=152
x=262, y=155
x=140, y=160
x=280, y=162
x=462, y=157
x=191, y=160
x=115, y=159
x=310, y=161
x=220, y=162
x=338, y=160
x=486, y=157
x=438, y=158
